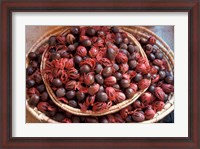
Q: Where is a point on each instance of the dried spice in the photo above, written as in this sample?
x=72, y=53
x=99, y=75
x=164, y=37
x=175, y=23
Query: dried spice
x=159, y=93
x=78, y=90
x=149, y=113
x=138, y=117
x=110, y=91
x=167, y=88
x=144, y=83
x=70, y=38
x=95, y=60
x=147, y=98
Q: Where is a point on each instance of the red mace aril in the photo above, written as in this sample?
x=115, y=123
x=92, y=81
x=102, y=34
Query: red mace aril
x=153, y=70
x=99, y=43
x=90, y=101
x=100, y=55
x=105, y=62
x=121, y=58
x=81, y=88
x=167, y=88
x=143, y=60
x=69, y=64
x=138, y=117
x=46, y=108
x=124, y=67
x=64, y=77
x=158, y=62
x=149, y=113
x=144, y=83
x=126, y=76
x=132, y=74
x=159, y=93
x=137, y=56
x=165, y=65
x=32, y=91
x=61, y=49
x=124, y=113
x=124, y=35
x=70, y=38
x=110, y=37
x=110, y=91
x=162, y=67
x=130, y=108
x=109, y=104
x=147, y=98
x=94, y=39
x=83, y=107
x=83, y=38
x=158, y=105
x=152, y=40
x=60, y=39
x=51, y=110
x=119, y=97
x=89, y=78
x=112, y=46
x=38, y=78
x=137, y=104
x=73, y=73
x=141, y=67
x=93, y=52
x=99, y=106
x=82, y=31
x=134, y=87
x=42, y=106
x=88, y=61
x=63, y=99
x=81, y=51
x=93, y=89
x=70, y=85
x=109, y=81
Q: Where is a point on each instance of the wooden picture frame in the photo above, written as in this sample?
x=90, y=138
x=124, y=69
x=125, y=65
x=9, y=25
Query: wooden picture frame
x=9, y=6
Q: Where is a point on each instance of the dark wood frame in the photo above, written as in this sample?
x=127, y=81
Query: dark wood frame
x=9, y=6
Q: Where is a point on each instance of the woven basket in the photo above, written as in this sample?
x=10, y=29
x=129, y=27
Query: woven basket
x=168, y=56
x=77, y=111
x=136, y=31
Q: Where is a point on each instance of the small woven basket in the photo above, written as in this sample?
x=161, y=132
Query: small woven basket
x=77, y=111
x=137, y=31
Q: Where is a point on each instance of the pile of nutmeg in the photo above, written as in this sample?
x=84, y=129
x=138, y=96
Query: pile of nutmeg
x=93, y=68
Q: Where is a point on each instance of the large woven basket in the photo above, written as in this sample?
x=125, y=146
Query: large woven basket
x=168, y=56
x=77, y=111
x=134, y=30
